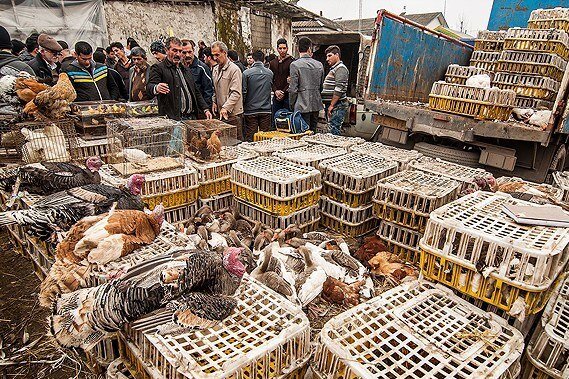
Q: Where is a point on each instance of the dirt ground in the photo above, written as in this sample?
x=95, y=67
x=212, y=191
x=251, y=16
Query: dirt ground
x=26, y=351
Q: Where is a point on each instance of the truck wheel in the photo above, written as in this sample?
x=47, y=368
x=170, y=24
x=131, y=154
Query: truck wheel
x=465, y=158
x=557, y=163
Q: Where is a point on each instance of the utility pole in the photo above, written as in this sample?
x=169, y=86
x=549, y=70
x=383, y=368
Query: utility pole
x=360, y=16
x=445, y=10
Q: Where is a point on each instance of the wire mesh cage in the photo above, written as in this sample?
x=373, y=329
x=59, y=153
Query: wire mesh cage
x=459, y=74
x=553, y=18
x=198, y=129
x=417, y=330
x=141, y=108
x=489, y=40
x=485, y=60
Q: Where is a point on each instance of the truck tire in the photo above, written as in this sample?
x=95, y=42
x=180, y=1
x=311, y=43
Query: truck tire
x=465, y=158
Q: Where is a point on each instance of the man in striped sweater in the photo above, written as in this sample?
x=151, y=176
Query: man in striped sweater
x=334, y=90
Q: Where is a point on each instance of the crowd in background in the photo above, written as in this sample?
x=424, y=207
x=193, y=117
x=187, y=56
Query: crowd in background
x=192, y=80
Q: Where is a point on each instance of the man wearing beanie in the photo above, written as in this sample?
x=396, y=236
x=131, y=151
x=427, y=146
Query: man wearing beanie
x=9, y=64
x=17, y=47
x=45, y=62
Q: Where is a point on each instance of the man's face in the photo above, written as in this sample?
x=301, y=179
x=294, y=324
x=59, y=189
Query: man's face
x=138, y=61
x=332, y=58
x=174, y=53
x=250, y=60
x=63, y=54
x=85, y=59
x=112, y=54
x=188, y=53
x=48, y=55
x=159, y=56
x=282, y=49
x=118, y=52
x=219, y=56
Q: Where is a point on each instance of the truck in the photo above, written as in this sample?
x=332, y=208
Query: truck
x=407, y=58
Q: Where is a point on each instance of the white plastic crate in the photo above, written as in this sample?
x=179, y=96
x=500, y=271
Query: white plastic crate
x=333, y=140
x=473, y=246
x=561, y=180
x=270, y=146
x=403, y=241
x=221, y=169
x=89, y=148
x=548, y=349
x=527, y=62
x=553, y=18
x=485, y=59
x=439, y=167
x=311, y=155
x=181, y=214
x=553, y=41
x=529, y=191
x=459, y=74
x=489, y=40
x=540, y=87
x=118, y=370
x=401, y=156
x=265, y=337
x=417, y=330
x=346, y=220
x=218, y=203
x=306, y=219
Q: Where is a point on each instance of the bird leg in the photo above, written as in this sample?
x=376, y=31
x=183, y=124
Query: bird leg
x=15, y=191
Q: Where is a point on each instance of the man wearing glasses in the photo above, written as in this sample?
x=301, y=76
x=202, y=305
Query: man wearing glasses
x=45, y=62
x=174, y=86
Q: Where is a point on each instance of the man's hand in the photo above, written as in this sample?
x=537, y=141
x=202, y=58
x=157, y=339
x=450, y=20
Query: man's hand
x=279, y=94
x=162, y=88
x=223, y=114
x=330, y=108
x=214, y=108
x=208, y=114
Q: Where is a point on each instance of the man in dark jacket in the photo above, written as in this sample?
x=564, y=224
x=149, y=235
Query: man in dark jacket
x=257, y=82
x=31, y=48
x=234, y=57
x=9, y=64
x=44, y=63
x=99, y=57
x=139, y=74
x=200, y=71
x=174, y=86
x=65, y=57
x=280, y=66
x=90, y=80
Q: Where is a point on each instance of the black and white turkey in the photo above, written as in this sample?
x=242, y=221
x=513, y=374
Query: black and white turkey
x=59, y=211
x=47, y=178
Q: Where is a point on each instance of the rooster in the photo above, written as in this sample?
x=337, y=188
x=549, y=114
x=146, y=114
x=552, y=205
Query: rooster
x=214, y=143
x=46, y=178
x=61, y=210
x=53, y=102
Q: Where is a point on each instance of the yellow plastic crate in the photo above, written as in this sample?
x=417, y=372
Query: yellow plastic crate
x=275, y=205
x=401, y=241
x=261, y=136
x=552, y=18
x=216, y=187
x=547, y=41
x=348, y=229
x=173, y=199
x=401, y=217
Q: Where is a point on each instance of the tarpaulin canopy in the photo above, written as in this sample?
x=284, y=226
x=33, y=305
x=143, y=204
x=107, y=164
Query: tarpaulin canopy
x=68, y=20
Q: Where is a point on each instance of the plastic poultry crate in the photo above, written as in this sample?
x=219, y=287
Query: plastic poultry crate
x=548, y=349
x=480, y=103
x=540, y=87
x=474, y=247
x=402, y=156
x=403, y=242
x=529, y=191
x=435, y=166
x=275, y=185
x=528, y=102
x=459, y=74
x=554, y=41
x=417, y=330
x=45, y=141
x=561, y=180
x=90, y=148
x=351, y=178
x=408, y=197
x=553, y=18
x=349, y=221
x=306, y=219
x=197, y=129
x=141, y=108
x=263, y=136
x=311, y=155
x=270, y=146
x=104, y=353
x=179, y=215
x=265, y=337
x=218, y=203
x=210, y=171
x=485, y=60
x=333, y=140
x=489, y=40
x=530, y=63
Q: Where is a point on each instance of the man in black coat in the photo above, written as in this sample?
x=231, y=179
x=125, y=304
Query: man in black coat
x=44, y=63
x=174, y=86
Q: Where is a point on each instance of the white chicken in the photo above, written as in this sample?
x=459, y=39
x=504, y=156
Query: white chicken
x=480, y=81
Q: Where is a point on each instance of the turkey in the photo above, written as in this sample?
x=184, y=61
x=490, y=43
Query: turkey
x=61, y=210
x=47, y=178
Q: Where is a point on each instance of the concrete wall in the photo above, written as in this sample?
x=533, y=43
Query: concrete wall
x=281, y=28
x=149, y=21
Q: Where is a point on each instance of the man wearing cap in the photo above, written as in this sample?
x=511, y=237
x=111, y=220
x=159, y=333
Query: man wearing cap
x=45, y=62
x=9, y=64
x=158, y=50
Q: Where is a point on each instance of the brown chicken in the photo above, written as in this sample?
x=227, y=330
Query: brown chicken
x=336, y=291
x=371, y=246
x=214, y=143
x=53, y=102
x=28, y=88
x=385, y=263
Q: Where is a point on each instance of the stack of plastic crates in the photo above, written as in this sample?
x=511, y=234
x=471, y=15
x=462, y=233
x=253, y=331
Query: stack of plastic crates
x=269, y=146
x=547, y=355
x=561, y=180
x=215, y=176
x=417, y=330
x=553, y=41
x=265, y=337
x=311, y=155
x=532, y=63
x=459, y=74
x=276, y=192
x=528, y=191
x=485, y=60
x=401, y=156
x=348, y=185
x=477, y=102
x=472, y=246
x=403, y=203
x=553, y=18
x=489, y=40
x=528, y=86
x=465, y=175
x=333, y=140
x=262, y=136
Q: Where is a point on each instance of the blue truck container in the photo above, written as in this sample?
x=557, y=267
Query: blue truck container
x=515, y=13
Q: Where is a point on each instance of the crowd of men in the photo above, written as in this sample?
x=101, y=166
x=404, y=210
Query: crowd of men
x=192, y=81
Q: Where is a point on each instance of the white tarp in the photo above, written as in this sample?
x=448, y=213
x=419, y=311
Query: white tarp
x=68, y=20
